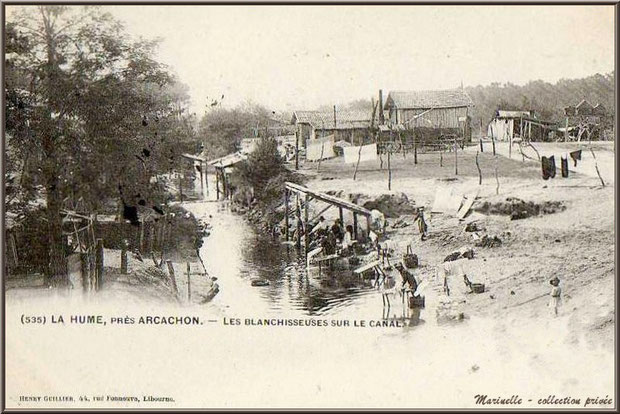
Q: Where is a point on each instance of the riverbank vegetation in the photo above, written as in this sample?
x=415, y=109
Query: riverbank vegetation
x=260, y=182
x=92, y=120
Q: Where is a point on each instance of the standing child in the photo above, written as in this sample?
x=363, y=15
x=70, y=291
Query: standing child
x=422, y=226
x=556, y=295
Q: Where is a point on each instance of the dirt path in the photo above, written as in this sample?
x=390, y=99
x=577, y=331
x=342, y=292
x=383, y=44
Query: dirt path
x=576, y=243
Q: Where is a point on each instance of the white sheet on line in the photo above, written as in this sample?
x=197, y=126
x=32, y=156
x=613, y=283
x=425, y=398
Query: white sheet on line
x=368, y=153
x=314, y=148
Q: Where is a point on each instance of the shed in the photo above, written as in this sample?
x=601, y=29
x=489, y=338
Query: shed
x=431, y=109
x=347, y=125
x=223, y=169
x=507, y=125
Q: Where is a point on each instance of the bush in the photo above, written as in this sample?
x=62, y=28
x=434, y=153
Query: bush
x=263, y=164
x=265, y=174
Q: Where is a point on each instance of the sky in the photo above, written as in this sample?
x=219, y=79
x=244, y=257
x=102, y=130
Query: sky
x=302, y=57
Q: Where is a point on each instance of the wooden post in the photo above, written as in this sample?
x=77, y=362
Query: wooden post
x=341, y=216
x=318, y=166
x=173, y=279
x=99, y=263
x=189, y=283
x=306, y=230
x=359, y=156
x=286, y=195
x=296, y=150
x=223, y=181
x=217, y=184
x=596, y=167
x=85, y=271
x=481, y=148
x=92, y=269
x=206, y=172
x=456, y=159
x=355, y=225
x=141, y=241
x=493, y=142
x=479, y=170
x=510, y=144
x=389, y=173
x=298, y=217
x=368, y=225
x=124, y=257
x=202, y=186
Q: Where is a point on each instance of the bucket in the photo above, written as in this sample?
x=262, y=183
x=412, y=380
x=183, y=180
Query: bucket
x=416, y=301
x=477, y=287
x=409, y=259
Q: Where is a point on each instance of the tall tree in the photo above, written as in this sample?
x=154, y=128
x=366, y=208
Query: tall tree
x=222, y=129
x=85, y=100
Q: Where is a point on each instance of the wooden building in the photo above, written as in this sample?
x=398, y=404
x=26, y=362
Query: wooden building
x=508, y=125
x=223, y=171
x=350, y=126
x=440, y=111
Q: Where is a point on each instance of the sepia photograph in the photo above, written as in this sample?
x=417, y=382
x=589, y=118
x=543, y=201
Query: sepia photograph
x=303, y=206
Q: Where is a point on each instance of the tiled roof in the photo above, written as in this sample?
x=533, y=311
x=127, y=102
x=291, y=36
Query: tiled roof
x=451, y=98
x=344, y=119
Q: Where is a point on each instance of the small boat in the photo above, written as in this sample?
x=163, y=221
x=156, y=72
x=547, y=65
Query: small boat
x=260, y=282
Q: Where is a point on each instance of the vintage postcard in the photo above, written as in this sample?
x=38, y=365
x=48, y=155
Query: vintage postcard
x=297, y=206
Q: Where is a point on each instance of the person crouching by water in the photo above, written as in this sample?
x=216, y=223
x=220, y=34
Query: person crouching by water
x=387, y=288
x=556, y=295
x=337, y=231
x=328, y=243
x=409, y=284
x=321, y=227
x=377, y=221
x=347, y=241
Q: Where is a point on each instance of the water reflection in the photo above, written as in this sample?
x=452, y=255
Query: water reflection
x=314, y=291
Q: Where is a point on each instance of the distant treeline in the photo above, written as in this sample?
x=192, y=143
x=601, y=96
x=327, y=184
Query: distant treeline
x=546, y=99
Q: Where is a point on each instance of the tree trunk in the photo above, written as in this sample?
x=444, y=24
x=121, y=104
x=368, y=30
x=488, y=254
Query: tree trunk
x=57, y=266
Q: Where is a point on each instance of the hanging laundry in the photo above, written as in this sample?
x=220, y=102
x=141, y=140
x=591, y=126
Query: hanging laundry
x=575, y=155
x=545, y=167
x=320, y=148
x=552, y=166
x=365, y=153
x=564, y=161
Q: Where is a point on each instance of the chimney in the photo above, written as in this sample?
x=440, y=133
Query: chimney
x=381, y=118
x=334, y=116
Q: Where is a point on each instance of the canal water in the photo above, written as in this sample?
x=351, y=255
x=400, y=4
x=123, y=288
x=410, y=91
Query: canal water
x=236, y=253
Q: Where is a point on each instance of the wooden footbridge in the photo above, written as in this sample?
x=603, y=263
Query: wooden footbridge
x=304, y=196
